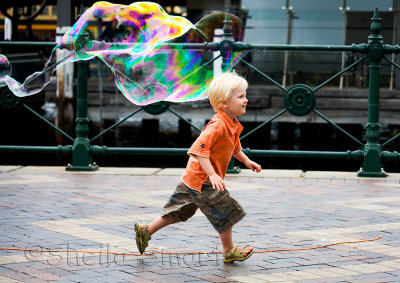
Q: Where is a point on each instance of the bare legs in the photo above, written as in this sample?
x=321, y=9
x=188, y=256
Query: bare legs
x=226, y=237
x=227, y=242
x=159, y=223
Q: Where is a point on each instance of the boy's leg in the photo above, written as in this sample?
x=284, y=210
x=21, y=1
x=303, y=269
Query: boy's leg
x=159, y=223
x=227, y=242
x=180, y=207
x=219, y=207
x=223, y=212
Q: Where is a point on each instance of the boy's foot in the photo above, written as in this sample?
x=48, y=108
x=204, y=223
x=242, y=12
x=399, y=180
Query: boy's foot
x=238, y=253
x=142, y=236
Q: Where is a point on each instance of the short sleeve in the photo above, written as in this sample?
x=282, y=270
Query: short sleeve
x=203, y=144
x=238, y=145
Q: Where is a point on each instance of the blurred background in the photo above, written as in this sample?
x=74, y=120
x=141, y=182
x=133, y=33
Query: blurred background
x=305, y=22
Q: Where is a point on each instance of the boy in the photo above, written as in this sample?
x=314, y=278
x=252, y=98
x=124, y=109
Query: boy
x=202, y=183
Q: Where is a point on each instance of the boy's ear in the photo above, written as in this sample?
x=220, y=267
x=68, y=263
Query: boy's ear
x=223, y=104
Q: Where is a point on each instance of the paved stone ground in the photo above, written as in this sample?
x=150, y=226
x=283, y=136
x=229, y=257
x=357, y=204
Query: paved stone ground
x=47, y=208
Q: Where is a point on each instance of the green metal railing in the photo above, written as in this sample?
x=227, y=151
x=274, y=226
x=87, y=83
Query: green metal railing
x=299, y=100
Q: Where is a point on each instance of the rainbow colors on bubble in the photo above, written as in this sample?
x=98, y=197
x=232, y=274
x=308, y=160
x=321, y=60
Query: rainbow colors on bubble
x=145, y=68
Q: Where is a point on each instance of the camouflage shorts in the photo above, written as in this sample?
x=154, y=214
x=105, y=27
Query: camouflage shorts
x=218, y=206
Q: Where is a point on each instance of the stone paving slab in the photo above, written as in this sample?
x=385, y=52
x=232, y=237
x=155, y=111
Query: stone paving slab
x=47, y=208
x=101, y=171
x=270, y=173
x=9, y=168
x=343, y=175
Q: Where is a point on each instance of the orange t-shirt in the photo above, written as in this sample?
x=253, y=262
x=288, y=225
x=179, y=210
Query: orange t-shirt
x=218, y=140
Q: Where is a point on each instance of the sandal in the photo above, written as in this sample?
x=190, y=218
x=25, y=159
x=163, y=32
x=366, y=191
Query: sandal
x=233, y=255
x=142, y=236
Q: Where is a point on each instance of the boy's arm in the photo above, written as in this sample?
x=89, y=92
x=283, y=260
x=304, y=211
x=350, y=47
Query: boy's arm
x=239, y=155
x=215, y=179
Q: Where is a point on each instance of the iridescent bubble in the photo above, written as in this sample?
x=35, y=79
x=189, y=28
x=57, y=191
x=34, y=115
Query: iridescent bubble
x=5, y=69
x=208, y=24
x=146, y=66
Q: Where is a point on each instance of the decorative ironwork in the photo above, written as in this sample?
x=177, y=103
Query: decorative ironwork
x=299, y=100
x=8, y=101
x=157, y=108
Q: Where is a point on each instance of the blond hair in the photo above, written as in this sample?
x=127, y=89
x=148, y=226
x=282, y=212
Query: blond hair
x=221, y=88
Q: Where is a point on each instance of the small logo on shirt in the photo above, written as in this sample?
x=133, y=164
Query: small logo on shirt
x=202, y=145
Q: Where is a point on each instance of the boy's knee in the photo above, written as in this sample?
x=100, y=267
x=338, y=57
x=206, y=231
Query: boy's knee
x=183, y=213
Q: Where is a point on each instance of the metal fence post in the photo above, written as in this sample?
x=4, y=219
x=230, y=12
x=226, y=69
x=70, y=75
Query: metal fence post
x=226, y=49
x=81, y=156
x=226, y=44
x=372, y=150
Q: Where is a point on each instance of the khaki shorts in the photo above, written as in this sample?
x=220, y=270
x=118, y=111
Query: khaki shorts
x=218, y=206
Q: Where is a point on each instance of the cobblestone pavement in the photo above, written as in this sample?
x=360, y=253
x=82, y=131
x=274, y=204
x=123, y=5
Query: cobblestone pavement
x=47, y=208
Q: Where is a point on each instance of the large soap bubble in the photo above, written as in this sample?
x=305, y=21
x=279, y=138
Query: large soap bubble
x=5, y=67
x=145, y=67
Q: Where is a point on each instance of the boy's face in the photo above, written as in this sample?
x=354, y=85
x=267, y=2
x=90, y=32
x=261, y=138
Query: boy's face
x=236, y=104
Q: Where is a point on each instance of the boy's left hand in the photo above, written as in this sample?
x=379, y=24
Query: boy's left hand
x=253, y=166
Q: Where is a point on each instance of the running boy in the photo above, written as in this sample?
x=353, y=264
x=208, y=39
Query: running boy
x=202, y=183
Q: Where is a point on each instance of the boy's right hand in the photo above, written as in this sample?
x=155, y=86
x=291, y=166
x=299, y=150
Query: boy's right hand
x=217, y=182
